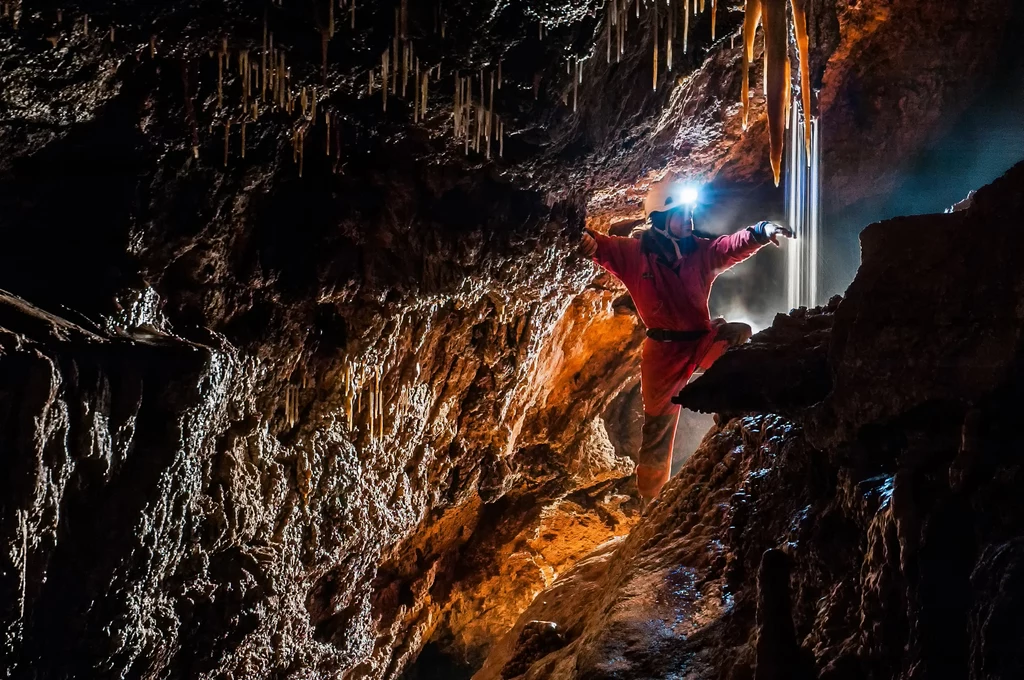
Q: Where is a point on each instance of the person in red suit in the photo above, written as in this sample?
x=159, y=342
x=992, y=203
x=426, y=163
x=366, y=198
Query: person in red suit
x=669, y=271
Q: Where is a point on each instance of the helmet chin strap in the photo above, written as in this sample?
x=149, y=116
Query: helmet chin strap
x=672, y=239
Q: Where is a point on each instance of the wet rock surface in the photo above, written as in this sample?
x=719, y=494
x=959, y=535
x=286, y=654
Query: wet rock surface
x=290, y=398
x=874, y=530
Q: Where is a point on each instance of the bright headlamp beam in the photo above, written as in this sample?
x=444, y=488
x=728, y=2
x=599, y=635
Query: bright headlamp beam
x=689, y=195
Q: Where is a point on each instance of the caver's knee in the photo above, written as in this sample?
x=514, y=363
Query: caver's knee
x=657, y=436
x=734, y=333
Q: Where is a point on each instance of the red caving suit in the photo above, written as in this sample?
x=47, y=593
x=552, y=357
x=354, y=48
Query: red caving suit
x=670, y=293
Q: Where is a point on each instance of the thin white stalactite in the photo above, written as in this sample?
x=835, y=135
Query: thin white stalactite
x=686, y=25
x=671, y=36
x=654, y=22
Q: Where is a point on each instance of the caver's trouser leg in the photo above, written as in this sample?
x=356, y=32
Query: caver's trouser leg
x=665, y=367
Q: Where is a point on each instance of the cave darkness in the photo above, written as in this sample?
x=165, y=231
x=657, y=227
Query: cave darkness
x=303, y=373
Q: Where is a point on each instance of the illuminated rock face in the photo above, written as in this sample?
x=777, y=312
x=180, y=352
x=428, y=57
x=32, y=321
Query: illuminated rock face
x=323, y=383
x=865, y=526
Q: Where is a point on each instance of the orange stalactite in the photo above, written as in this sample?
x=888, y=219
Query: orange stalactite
x=776, y=40
x=803, y=45
x=750, y=22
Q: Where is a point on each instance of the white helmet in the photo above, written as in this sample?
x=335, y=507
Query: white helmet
x=669, y=194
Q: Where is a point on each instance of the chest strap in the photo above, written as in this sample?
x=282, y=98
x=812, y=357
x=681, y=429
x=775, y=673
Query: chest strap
x=662, y=335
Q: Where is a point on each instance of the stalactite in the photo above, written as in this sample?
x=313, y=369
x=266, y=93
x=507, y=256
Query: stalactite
x=227, y=141
x=479, y=123
x=220, y=82
x=302, y=148
x=152, y=47
x=425, y=96
x=499, y=74
x=622, y=39
x=111, y=34
x=686, y=25
x=373, y=410
x=456, y=105
x=490, y=114
x=380, y=402
x=654, y=77
x=714, y=17
x=406, y=66
x=305, y=102
x=243, y=139
x=327, y=134
x=330, y=18
x=702, y=6
x=263, y=62
x=575, y=86
x=385, y=60
x=312, y=106
x=501, y=139
x=608, y=31
x=243, y=69
x=395, y=67
x=349, y=394
x=671, y=36
x=776, y=40
x=280, y=81
x=416, y=94
x=803, y=46
x=751, y=19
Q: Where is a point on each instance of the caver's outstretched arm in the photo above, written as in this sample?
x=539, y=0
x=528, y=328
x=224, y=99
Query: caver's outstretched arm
x=617, y=254
x=728, y=251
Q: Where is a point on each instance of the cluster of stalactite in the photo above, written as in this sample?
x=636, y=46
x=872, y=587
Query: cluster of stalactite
x=475, y=120
x=772, y=15
x=357, y=379
x=266, y=83
x=664, y=25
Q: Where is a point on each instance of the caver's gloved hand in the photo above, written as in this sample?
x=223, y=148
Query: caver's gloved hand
x=587, y=245
x=769, y=232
